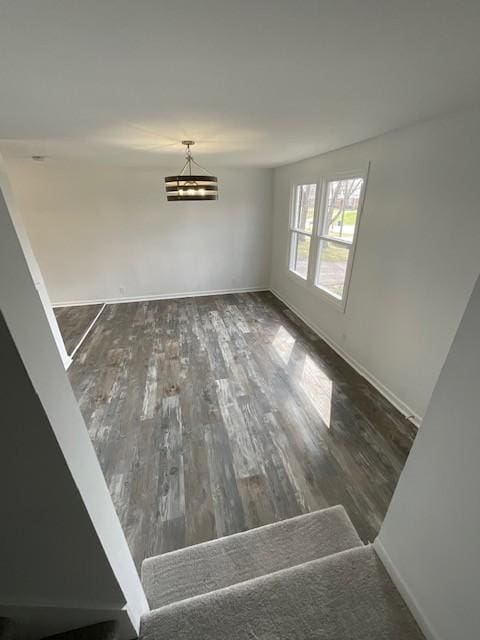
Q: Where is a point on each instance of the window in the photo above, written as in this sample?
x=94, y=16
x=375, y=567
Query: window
x=323, y=233
x=301, y=228
x=337, y=231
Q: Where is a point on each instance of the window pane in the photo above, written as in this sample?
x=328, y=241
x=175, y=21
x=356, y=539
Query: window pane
x=305, y=207
x=332, y=267
x=301, y=249
x=342, y=208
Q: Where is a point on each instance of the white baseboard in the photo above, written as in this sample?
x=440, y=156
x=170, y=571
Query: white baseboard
x=404, y=590
x=385, y=391
x=90, y=326
x=159, y=296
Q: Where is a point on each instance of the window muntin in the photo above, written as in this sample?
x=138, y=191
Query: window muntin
x=301, y=228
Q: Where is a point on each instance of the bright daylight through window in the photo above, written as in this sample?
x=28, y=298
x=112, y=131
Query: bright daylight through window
x=323, y=233
x=302, y=228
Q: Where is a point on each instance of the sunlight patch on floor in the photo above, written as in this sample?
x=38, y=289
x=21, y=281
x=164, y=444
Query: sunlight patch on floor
x=318, y=387
x=283, y=344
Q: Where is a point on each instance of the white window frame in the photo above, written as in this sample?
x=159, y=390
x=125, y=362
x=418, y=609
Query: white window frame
x=293, y=230
x=318, y=235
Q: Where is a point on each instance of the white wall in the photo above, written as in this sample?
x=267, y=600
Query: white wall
x=417, y=256
x=103, y=232
x=32, y=263
x=431, y=535
x=63, y=555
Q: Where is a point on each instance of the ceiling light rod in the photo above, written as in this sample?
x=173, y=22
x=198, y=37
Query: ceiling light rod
x=188, y=156
x=186, y=186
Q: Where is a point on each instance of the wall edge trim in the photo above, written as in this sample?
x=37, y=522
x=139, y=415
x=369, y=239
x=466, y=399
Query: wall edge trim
x=85, y=334
x=405, y=591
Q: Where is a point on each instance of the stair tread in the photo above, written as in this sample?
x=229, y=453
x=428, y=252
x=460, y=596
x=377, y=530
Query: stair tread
x=219, y=563
x=346, y=596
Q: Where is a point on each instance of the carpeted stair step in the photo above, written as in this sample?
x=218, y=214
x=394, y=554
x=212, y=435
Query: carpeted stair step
x=226, y=561
x=345, y=596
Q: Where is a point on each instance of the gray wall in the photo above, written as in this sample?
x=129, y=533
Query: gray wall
x=431, y=534
x=32, y=263
x=64, y=558
x=417, y=254
x=104, y=232
x=48, y=544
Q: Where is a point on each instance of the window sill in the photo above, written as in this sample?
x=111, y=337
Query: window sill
x=339, y=305
x=298, y=279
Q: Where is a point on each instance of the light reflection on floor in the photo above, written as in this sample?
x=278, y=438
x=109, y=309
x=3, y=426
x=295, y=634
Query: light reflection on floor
x=318, y=387
x=283, y=344
x=316, y=384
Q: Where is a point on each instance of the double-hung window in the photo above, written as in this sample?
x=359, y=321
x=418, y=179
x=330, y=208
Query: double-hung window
x=301, y=228
x=324, y=224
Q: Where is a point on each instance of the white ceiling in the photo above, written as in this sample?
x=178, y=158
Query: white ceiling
x=255, y=82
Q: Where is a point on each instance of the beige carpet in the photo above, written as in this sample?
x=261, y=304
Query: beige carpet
x=220, y=563
x=346, y=596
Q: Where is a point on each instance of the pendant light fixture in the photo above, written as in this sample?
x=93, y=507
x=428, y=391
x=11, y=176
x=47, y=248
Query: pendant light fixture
x=187, y=186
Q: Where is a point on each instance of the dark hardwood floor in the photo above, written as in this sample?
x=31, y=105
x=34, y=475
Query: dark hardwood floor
x=216, y=414
x=74, y=321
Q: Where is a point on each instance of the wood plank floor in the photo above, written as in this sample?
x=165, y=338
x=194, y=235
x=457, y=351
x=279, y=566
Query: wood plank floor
x=216, y=414
x=74, y=321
